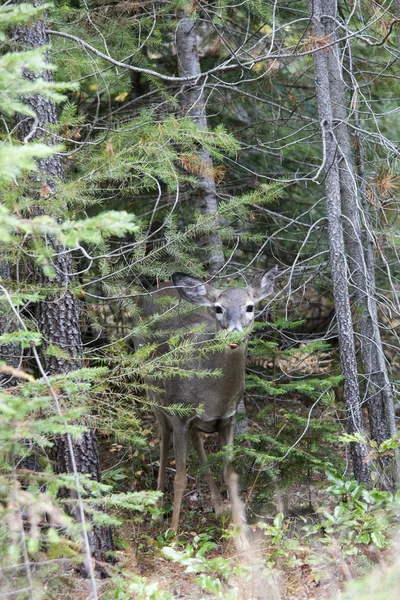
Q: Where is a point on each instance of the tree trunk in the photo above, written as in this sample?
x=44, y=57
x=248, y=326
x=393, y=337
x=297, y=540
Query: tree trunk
x=359, y=243
x=57, y=316
x=339, y=267
x=194, y=107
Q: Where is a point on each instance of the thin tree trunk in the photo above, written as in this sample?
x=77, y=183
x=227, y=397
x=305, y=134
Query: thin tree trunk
x=57, y=316
x=381, y=409
x=194, y=106
x=359, y=243
x=339, y=267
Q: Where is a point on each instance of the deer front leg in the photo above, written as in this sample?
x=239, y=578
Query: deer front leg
x=216, y=500
x=181, y=443
x=242, y=540
x=165, y=440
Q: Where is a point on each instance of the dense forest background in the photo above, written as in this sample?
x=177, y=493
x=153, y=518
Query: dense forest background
x=215, y=138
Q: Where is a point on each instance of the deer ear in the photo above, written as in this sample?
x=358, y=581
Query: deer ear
x=264, y=286
x=194, y=290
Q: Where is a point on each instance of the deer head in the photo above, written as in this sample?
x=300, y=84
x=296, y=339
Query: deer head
x=233, y=308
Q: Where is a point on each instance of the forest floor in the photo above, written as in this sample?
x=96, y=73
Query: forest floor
x=140, y=542
x=145, y=560
x=288, y=564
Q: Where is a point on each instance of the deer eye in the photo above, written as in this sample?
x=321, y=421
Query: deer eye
x=218, y=309
x=250, y=308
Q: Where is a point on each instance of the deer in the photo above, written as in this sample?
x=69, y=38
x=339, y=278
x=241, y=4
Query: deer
x=213, y=401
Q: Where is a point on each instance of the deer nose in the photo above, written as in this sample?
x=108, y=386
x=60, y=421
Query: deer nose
x=236, y=329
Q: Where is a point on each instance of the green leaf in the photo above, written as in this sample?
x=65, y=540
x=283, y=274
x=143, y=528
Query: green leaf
x=278, y=520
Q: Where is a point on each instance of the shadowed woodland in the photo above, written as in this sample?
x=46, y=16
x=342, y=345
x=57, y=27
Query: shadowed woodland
x=199, y=197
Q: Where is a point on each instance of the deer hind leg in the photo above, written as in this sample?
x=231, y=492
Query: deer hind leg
x=216, y=500
x=181, y=443
x=242, y=540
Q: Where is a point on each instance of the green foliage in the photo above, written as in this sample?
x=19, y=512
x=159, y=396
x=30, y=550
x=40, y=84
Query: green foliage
x=15, y=89
x=143, y=151
x=14, y=160
x=68, y=233
x=210, y=570
x=27, y=415
x=141, y=589
x=21, y=337
x=362, y=517
x=212, y=573
x=377, y=453
x=33, y=513
x=13, y=86
x=18, y=14
x=351, y=521
x=296, y=433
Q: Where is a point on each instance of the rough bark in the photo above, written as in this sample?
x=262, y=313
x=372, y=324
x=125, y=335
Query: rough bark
x=359, y=244
x=57, y=316
x=195, y=107
x=338, y=262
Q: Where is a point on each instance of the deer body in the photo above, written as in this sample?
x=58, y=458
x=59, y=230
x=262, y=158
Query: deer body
x=219, y=396
x=233, y=310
